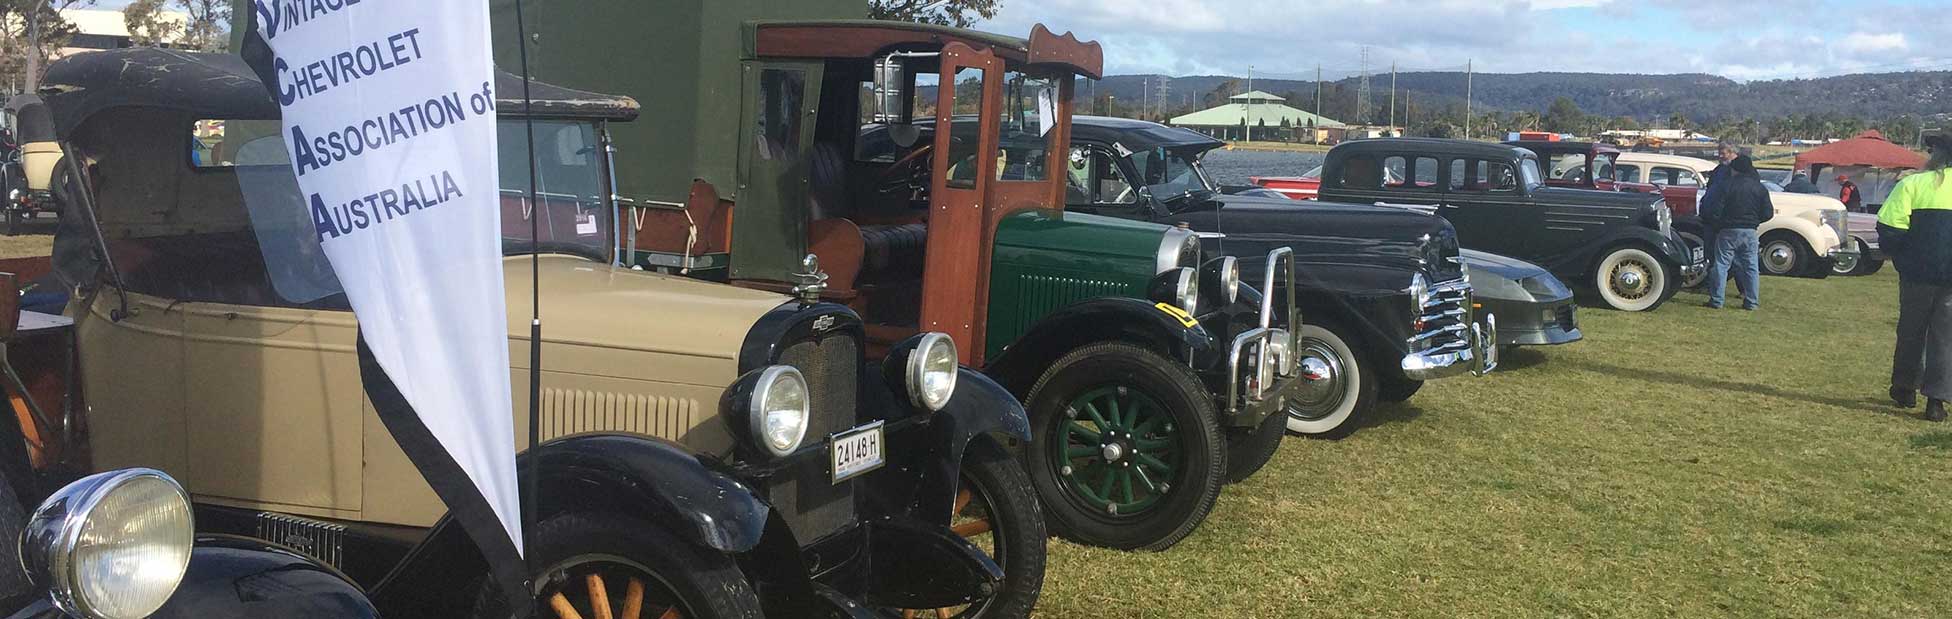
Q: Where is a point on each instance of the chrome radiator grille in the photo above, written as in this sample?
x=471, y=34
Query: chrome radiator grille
x=811, y=504
x=1445, y=319
x=323, y=540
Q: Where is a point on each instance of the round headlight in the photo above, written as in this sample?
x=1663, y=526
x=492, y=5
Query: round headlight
x=112, y=545
x=1186, y=292
x=1230, y=278
x=932, y=371
x=1419, y=293
x=780, y=409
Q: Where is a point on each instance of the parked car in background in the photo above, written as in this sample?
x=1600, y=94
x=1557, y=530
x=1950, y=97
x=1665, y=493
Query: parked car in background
x=34, y=163
x=1806, y=238
x=1868, y=258
x=1581, y=165
x=1620, y=245
x=1533, y=307
x=1383, y=292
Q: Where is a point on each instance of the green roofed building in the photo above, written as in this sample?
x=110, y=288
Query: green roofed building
x=1268, y=115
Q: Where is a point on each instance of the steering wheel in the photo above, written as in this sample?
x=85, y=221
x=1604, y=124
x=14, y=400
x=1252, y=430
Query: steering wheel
x=911, y=172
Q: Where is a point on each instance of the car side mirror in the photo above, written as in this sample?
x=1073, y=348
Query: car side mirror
x=9, y=305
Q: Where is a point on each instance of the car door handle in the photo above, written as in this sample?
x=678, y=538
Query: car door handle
x=1421, y=208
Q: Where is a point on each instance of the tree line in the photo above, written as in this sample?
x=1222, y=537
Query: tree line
x=33, y=32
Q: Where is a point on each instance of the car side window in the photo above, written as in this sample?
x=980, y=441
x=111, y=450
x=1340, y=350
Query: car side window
x=1627, y=173
x=1678, y=177
x=1362, y=172
x=1410, y=174
x=1093, y=177
x=1482, y=176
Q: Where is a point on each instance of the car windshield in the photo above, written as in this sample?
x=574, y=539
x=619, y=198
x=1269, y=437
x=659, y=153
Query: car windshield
x=1530, y=168
x=1169, y=174
x=570, y=212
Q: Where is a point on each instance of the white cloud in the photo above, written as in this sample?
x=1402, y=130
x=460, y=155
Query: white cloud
x=1865, y=42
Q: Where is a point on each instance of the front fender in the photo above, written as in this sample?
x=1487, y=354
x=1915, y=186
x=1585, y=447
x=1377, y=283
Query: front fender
x=652, y=479
x=1125, y=319
x=979, y=407
x=1820, y=239
x=235, y=577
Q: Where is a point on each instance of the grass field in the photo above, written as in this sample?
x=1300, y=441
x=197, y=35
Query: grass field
x=1684, y=463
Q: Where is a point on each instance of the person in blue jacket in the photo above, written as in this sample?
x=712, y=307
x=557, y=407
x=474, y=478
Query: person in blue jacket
x=1915, y=229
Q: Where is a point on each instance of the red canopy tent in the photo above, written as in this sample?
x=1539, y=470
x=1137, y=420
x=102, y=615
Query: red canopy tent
x=1868, y=149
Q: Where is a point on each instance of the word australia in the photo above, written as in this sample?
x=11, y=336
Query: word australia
x=336, y=220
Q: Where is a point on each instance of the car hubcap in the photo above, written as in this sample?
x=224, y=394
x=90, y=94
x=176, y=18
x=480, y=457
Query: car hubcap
x=595, y=586
x=1631, y=279
x=1321, y=390
x=1780, y=256
x=1119, y=451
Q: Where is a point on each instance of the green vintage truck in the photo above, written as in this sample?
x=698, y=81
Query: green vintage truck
x=923, y=166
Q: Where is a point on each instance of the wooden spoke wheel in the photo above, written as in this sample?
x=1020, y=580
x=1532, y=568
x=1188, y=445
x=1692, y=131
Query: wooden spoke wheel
x=996, y=510
x=598, y=587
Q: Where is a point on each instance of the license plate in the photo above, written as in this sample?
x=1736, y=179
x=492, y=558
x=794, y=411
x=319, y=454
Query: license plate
x=1700, y=255
x=855, y=452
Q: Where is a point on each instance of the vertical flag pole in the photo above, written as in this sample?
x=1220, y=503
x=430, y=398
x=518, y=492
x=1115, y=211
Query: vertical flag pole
x=529, y=486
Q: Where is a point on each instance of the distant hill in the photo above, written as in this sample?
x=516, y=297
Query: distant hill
x=1702, y=98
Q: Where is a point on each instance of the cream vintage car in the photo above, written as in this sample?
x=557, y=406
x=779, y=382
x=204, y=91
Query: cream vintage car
x=1806, y=238
x=707, y=450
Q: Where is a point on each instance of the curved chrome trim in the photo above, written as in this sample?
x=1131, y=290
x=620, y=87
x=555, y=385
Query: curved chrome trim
x=1171, y=245
x=48, y=542
x=916, y=372
x=756, y=409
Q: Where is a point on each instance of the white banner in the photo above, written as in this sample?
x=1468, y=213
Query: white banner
x=389, y=116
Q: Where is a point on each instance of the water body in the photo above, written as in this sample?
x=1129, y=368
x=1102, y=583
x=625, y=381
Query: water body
x=1234, y=167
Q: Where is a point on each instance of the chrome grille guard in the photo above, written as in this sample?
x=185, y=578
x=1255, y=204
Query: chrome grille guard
x=1266, y=364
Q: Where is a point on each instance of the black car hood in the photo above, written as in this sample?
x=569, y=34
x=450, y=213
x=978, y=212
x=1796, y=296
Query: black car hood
x=1331, y=233
x=1592, y=197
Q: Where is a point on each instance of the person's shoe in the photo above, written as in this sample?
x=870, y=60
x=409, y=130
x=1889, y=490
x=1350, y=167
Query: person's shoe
x=1751, y=307
x=1935, y=410
x=1904, y=398
x=1712, y=305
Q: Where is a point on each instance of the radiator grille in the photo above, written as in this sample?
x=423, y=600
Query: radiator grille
x=811, y=504
x=323, y=540
x=1565, y=318
x=567, y=412
x=1039, y=295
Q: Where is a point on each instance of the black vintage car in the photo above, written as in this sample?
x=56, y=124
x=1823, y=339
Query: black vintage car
x=1620, y=245
x=1383, y=291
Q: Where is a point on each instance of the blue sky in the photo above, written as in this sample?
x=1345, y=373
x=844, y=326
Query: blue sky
x=1740, y=39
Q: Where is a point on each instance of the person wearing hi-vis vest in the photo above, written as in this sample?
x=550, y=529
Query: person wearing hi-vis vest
x=1915, y=229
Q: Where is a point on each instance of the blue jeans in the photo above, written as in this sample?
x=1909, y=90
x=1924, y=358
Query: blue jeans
x=1735, y=247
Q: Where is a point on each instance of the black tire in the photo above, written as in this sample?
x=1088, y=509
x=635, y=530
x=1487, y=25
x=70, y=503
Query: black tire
x=1863, y=264
x=13, y=221
x=705, y=584
x=1249, y=449
x=1630, y=278
x=1783, y=254
x=1002, y=499
x=1348, y=395
x=1183, y=437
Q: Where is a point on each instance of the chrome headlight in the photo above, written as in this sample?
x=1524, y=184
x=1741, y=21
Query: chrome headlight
x=1186, y=291
x=112, y=545
x=779, y=409
x=1178, y=248
x=931, y=371
x=1222, y=276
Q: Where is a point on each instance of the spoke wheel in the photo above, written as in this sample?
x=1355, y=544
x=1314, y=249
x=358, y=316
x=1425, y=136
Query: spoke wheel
x=1631, y=280
x=1119, y=453
x=607, y=587
x=996, y=510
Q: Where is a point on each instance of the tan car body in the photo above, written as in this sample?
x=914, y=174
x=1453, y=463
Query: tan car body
x=261, y=407
x=1800, y=214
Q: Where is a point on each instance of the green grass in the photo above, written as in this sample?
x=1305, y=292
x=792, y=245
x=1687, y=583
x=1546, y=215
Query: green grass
x=1683, y=463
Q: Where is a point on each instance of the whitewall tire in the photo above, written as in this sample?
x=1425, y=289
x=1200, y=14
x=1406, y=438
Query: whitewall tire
x=1631, y=280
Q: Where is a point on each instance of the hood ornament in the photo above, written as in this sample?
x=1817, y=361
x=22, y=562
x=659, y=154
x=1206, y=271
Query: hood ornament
x=810, y=281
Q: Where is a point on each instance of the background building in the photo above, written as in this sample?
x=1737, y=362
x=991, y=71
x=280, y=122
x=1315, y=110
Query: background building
x=1269, y=117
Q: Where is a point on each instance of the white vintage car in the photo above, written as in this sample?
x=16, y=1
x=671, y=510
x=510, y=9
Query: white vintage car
x=1808, y=236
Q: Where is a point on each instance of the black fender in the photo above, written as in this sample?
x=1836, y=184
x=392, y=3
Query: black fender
x=1576, y=267
x=921, y=481
x=237, y=577
x=1125, y=319
x=689, y=494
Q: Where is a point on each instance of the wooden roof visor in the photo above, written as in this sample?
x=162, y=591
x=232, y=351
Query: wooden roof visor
x=863, y=38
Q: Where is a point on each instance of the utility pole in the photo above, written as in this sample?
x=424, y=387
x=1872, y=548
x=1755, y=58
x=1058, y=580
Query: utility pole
x=1250, y=105
x=1362, y=92
x=1145, y=96
x=1392, y=94
x=1468, y=64
x=1318, y=96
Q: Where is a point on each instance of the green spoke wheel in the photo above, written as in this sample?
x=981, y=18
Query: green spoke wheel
x=1118, y=433
x=1126, y=452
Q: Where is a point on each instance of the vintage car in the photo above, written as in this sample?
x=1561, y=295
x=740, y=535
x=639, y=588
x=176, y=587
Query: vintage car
x=1573, y=164
x=32, y=165
x=690, y=430
x=1387, y=303
x=1806, y=238
x=1151, y=373
x=1868, y=258
x=1532, y=307
x=1620, y=245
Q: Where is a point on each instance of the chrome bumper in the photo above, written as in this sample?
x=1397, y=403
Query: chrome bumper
x=1457, y=344
x=1269, y=349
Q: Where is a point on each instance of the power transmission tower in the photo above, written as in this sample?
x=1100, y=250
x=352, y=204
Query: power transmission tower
x=1165, y=87
x=1362, y=91
x=1468, y=64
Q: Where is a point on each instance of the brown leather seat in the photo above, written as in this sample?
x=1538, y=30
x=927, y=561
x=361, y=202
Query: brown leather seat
x=893, y=253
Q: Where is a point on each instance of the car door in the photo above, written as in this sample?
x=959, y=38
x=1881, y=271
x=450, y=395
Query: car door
x=1485, y=201
x=1096, y=183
